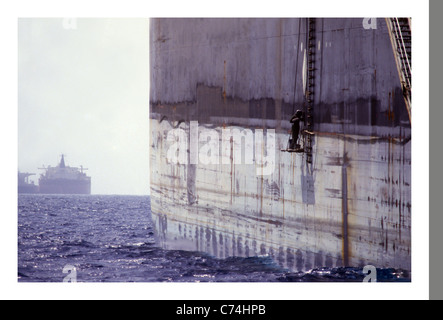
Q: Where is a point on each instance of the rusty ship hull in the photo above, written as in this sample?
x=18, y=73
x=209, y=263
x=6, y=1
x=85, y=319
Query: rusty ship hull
x=344, y=201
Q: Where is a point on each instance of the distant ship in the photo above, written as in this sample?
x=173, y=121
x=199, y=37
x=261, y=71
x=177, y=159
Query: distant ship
x=64, y=180
x=24, y=186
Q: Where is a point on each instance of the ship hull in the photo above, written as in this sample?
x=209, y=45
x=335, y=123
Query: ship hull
x=64, y=186
x=28, y=189
x=349, y=205
x=328, y=213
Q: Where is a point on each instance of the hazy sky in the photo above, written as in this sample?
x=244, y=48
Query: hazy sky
x=83, y=89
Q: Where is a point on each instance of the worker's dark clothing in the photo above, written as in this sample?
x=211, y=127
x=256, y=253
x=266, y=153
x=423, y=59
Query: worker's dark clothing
x=295, y=120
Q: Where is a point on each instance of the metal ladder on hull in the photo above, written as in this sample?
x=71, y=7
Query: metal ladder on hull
x=310, y=89
x=400, y=35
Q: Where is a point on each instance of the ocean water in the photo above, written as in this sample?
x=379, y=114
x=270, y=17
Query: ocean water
x=98, y=238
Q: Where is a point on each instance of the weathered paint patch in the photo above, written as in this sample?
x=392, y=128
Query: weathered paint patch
x=297, y=214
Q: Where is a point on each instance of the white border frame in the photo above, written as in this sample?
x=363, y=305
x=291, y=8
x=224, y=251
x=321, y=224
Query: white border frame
x=417, y=289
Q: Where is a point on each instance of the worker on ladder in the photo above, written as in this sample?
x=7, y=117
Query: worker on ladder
x=295, y=120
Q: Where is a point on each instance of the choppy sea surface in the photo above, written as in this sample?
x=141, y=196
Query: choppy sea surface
x=107, y=238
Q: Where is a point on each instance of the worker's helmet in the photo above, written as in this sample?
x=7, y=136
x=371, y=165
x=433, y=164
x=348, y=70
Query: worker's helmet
x=299, y=113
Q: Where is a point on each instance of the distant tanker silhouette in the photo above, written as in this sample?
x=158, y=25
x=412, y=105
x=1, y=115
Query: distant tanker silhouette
x=63, y=179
